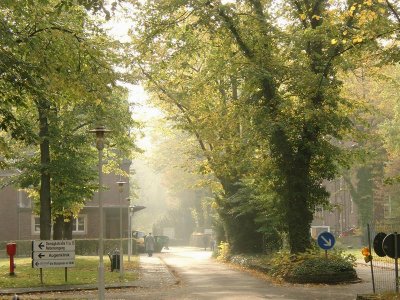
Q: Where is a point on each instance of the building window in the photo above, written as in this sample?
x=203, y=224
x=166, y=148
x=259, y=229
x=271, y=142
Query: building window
x=79, y=224
x=36, y=224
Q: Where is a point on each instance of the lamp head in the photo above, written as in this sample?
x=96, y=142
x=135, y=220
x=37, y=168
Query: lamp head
x=100, y=131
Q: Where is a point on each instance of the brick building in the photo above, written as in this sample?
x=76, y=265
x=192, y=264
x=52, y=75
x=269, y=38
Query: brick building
x=343, y=217
x=17, y=221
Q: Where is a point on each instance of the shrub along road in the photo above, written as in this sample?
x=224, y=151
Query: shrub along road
x=193, y=274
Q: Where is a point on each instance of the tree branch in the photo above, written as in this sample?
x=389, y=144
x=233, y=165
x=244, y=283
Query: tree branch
x=183, y=109
x=55, y=28
x=231, y=27
x=396, y=14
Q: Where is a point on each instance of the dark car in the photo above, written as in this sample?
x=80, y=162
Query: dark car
x=139, y=237
x=161, y=242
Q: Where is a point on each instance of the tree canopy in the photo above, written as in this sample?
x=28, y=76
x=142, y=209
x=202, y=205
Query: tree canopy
x=59, y=80
x=257, y=83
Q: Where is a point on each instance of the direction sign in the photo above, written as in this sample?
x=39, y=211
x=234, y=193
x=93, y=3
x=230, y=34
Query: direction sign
x=45, y=255
x=326, y=240
x=53, y=245
x=53, y=264
x=53, y=254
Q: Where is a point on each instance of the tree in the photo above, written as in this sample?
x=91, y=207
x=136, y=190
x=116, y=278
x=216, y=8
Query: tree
x=206, y=57
x=71, y=81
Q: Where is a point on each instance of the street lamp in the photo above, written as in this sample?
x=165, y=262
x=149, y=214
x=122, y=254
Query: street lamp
x=132, y=210
x=121, y=252
x=100, y=131
x=129, y=230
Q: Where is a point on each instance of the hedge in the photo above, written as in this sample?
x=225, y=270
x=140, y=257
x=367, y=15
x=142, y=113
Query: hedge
x=82, y=247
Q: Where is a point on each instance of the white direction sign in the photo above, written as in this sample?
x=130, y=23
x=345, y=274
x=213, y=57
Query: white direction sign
x=53, y=264
x=53, y=245
x=53, y=254
x=45, y=255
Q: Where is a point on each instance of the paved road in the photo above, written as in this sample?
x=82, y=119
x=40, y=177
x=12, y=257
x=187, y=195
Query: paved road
x=191, y=273
x=203, y=278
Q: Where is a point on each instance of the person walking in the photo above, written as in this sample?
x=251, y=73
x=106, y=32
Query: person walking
x=149, y=244
x=205, y=241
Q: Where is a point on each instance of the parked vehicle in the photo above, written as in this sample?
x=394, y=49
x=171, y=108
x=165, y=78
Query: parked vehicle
x=139, y=237
x=161, y=241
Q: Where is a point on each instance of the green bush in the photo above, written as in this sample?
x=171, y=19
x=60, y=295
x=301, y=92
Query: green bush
x=256, y=262
x=82, y=247
x=322, y=270
x=309, y=267
x=314, y=267
x=224, y=252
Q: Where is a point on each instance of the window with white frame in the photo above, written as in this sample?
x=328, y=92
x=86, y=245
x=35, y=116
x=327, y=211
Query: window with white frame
x=35, y=224
x=78, y=224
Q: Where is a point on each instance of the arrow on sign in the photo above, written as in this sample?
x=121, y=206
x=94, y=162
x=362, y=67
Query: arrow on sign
x=41, y=246
x=41, y=255
x=36, y=263
x=326, y=240
x=328, y=243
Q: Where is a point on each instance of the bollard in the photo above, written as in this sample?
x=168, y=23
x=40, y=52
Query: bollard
x=11, y=251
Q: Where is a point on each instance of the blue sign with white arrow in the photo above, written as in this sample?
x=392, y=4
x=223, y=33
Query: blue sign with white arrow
x=326, y=240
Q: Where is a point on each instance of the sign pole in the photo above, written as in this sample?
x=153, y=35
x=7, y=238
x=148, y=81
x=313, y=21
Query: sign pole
x=396, y=265
x=65, y=274
x=370, y=262
x=41, y=276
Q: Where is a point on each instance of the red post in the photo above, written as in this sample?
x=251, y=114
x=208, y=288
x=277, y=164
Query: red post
x=11, y=251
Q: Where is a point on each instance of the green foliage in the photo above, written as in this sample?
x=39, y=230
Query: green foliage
x=308, y=267
x=262, y=100
x=61, y=80
x=257, y=262
x=82, y=246
x=224, y=251
x=312, y=266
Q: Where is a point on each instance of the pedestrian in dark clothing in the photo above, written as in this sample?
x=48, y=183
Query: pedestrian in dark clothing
x=149, y=244
x=205, y=241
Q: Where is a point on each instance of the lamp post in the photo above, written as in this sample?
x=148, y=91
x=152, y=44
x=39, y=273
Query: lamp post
x=129, y=230
x=121, y=249
x=100, y=131
x=132, y=210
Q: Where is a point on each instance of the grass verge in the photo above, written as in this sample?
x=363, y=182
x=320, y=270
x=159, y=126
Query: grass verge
x=84, y=272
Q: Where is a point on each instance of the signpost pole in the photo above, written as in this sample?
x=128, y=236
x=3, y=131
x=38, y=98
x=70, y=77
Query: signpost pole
x=372, y=267
x=396, y=265
x=121, y=246
x=129, y=235
x=41, y=276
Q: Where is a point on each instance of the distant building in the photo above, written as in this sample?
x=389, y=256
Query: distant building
x=343, y=217
x=18, y=222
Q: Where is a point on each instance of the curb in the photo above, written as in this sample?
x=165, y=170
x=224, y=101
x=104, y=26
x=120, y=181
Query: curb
x=63, y=288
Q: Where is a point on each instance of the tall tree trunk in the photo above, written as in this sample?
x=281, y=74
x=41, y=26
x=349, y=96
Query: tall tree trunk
x=58, y=228
x=44, y=193
x=240, y=227
x=298, y=213
x=68, y=229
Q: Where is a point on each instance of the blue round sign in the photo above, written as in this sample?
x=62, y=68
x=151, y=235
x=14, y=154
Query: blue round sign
x=326, y=240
